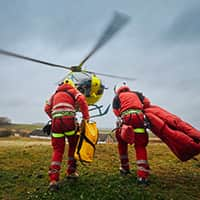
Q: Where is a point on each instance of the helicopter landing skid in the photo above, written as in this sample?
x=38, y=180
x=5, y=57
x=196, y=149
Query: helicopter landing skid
x=99, y=109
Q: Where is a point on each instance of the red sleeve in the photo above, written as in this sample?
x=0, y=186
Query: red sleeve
x=48, y=107
x=82, y=103
x=116, y=112
x=146, y=102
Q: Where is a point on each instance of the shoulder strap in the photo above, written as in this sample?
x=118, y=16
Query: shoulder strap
x=140, y=96
x=116, y=102
x=70, y=94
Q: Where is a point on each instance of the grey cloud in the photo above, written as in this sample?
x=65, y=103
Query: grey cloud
x=186, y=26
x=64, y=31
x=62, y=24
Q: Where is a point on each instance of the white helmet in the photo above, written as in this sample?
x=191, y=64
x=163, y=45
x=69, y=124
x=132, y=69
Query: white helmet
x=121, y=87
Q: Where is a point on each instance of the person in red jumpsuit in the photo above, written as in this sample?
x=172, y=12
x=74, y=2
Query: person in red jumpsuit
x=128, y=107
x=61, y=108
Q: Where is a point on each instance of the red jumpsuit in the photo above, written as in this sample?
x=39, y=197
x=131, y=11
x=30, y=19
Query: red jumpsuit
x=61, y=109
x=128, y=106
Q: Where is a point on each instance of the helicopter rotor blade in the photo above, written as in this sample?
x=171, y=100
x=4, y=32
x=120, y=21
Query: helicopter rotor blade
x=112, y=76
x=118, y=21
x=8, y=53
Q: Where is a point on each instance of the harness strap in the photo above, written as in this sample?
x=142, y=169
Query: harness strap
x=62, y=113
x=139, y=130
x=130, y=111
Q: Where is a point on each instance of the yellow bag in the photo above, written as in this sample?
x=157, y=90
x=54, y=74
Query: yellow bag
x=85, y=148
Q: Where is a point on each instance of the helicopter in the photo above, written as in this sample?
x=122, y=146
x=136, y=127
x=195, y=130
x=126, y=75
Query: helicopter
x=87, y=82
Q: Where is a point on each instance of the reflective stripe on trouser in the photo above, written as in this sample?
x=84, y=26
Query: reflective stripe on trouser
x=58, y=145
x=141, y=141
x=141, y=162
x=142, y=168
x=57, y=156
x=124, y=161
x=54, y=170
x=122, y=150
x=60, y=135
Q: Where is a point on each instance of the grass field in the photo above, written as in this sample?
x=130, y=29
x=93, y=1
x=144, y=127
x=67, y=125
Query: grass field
x=24, y=164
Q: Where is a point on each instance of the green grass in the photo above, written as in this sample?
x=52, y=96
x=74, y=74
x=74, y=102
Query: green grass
x=24, y=165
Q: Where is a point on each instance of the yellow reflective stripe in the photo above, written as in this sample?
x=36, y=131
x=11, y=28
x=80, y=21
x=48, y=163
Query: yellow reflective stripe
x=57, y=115
x=58, y=135
x=69, y=133
x=64, y=113
x=139, y=130
x=126, y=112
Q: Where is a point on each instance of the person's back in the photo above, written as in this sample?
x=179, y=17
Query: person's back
x=61, y=108
x=67, y=98
x=128, y=106
x=129, y=100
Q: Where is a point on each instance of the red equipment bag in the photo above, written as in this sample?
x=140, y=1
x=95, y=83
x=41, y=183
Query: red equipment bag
x=127, y=134
x=180, y=137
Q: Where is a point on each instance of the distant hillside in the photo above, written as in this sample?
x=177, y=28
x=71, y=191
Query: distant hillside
x=26, y=130
x=18, y=129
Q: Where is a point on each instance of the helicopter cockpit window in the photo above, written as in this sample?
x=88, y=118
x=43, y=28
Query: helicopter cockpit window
x=101, y=89
x=79, y=77
x=85, y=87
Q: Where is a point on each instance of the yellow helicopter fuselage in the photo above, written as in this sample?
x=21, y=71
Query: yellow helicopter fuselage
x=88, y=84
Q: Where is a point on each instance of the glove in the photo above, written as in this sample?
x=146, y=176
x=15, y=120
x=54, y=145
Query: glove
x=82, y=125
x=118, y=123
x=47, y=128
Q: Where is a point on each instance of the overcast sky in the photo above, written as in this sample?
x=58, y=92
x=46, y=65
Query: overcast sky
x=160, y=47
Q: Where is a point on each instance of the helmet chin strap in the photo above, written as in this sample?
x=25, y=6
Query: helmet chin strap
x=115, y=89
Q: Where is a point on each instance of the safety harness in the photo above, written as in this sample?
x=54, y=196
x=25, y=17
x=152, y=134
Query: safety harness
x=133, y=111
x=64, y=112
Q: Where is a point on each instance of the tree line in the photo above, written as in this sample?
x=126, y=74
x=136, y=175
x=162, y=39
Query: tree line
x=5, y=121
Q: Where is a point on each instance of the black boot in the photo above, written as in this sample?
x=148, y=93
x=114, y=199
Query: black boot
x=142, y=181
x=53, y=186
x=124, y=172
